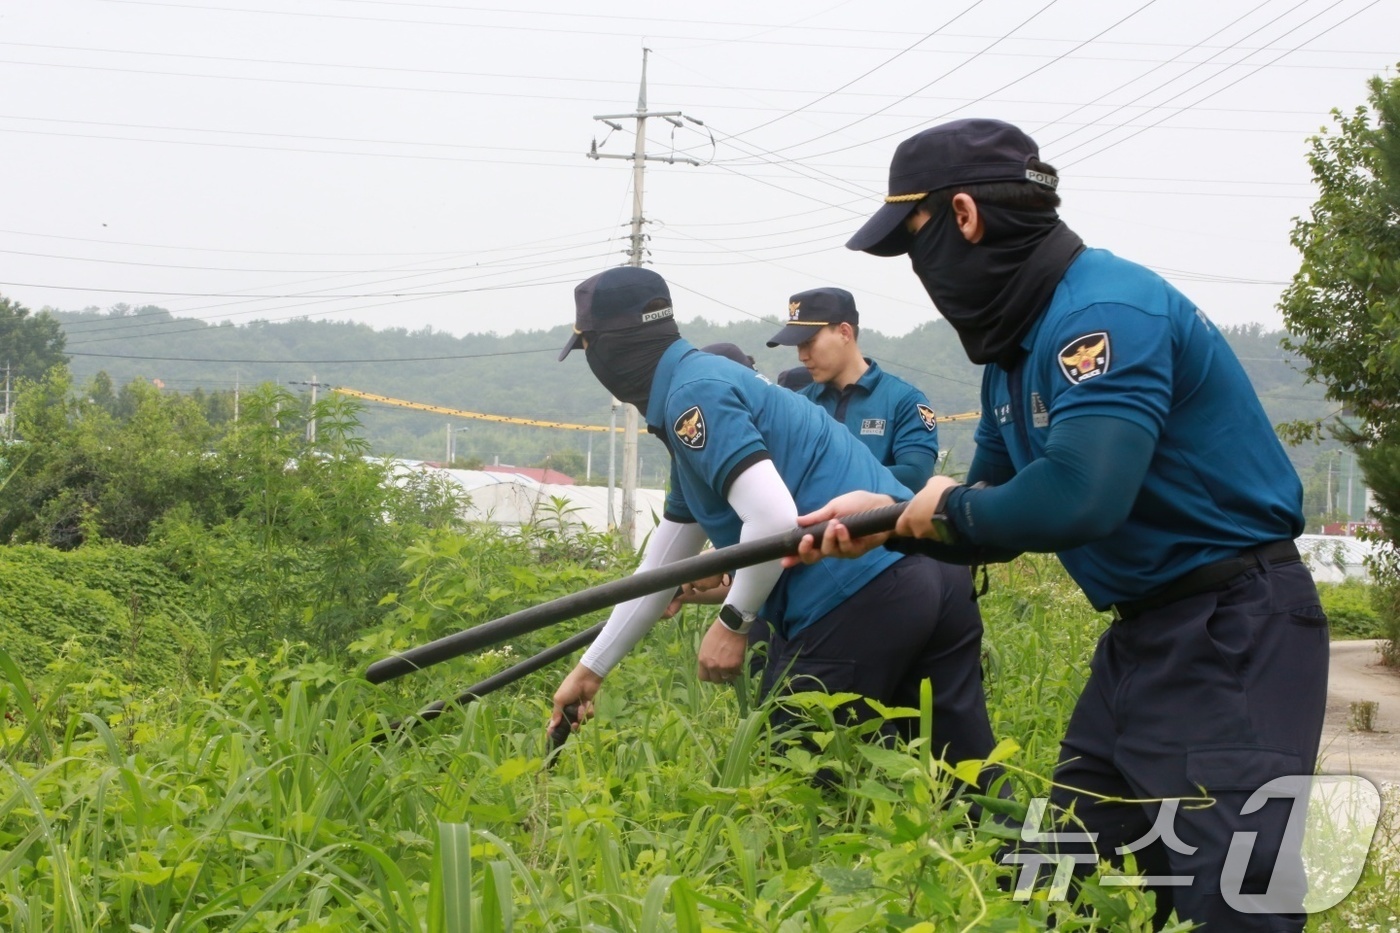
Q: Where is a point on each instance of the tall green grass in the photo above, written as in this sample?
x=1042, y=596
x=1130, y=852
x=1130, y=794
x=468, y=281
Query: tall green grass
x=268, y=805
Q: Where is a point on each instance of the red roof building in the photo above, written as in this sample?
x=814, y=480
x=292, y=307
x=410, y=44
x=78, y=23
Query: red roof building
x=538, y=474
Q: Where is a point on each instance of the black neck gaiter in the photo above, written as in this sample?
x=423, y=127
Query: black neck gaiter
x=993, y=290
x=625, y=361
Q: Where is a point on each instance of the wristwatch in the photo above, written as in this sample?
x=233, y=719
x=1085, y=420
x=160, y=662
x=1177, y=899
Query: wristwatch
x=943, y=531
x=736, y=620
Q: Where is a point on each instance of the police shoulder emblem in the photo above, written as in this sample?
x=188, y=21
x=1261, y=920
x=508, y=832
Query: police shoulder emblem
x=926, y=414
x=690, y=428
x=1085, y=357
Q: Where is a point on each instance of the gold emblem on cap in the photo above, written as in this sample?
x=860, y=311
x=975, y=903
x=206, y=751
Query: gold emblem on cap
x=794, y=308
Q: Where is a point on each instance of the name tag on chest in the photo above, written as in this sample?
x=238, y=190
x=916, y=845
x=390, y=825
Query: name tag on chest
x=872, y=426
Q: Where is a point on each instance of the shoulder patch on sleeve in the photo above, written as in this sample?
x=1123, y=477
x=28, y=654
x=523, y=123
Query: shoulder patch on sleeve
x=1085, y=356
x=926, y=415
x=689, y=428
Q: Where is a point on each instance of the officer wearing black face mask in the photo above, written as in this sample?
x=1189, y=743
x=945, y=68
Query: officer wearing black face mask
x=746, y=458
x=1119, y=431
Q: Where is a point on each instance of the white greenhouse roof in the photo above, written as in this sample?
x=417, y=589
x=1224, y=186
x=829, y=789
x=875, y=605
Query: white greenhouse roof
x=513, y=500
x=1334, y=558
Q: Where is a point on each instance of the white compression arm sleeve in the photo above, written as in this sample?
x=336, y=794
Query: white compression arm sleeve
x=630, y=621
x=765, y=506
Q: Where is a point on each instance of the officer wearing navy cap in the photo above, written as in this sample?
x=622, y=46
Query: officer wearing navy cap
x=746, y=458
x=1120, y=431
x=730, y=351
x=885, y=413
x=798, y=377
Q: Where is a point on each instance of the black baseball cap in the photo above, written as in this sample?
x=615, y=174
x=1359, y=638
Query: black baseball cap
x=813, y=309
x=795, y=378
x=730, y=351
x=963, y=152
x=619, y=298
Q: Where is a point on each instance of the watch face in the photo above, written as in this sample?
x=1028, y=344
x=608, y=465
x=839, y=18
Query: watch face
x=943, y=530
x=734, y=620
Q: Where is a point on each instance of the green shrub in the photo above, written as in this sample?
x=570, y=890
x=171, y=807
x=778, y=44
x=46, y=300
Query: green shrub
x=1351, y=611
x=118, y=603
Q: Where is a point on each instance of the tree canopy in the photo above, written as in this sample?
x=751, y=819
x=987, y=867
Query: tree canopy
x=29, y=344
x=1343, y=306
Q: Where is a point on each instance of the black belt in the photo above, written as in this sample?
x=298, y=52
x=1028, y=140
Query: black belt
x=1210, y=577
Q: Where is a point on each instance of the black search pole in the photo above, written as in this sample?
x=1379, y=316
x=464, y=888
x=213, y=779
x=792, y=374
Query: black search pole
x=508, y=676
x=669, y=576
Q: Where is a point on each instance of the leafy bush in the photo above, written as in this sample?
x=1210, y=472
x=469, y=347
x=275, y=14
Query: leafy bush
x=1386, y=600
x=115, y=605
x=459, y=579
x=1350, y=608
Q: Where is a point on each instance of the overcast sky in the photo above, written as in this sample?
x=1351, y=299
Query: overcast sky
x=411, y=164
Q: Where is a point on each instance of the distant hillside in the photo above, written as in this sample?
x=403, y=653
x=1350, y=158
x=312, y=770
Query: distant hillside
x=517, y=375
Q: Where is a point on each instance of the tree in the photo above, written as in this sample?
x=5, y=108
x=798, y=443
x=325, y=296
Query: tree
x=1343, y=306
x=29, y=345
x=567, y=461
x=84, y=472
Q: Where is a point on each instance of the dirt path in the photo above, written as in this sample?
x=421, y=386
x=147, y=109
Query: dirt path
x=1355, y=674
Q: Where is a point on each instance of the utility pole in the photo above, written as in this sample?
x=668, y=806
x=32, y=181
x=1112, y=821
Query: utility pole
x=452, y=442
x=612, y=461
x=1331, y=506
x=9, y=430
x=1351, y=475
x=639, y=158
x=311, y=424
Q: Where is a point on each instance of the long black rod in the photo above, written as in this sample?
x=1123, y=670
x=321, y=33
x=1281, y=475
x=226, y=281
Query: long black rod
x=504, y=678
x=719, y=560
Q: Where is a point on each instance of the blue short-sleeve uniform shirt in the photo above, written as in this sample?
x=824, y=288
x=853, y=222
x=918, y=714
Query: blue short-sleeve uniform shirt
x=717, y=418
x=885, y=413
x=1117, y=340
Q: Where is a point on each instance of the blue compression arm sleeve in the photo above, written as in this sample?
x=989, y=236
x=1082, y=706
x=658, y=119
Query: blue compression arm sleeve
x=1080, y=490
x=913, y=468
x=992, y=469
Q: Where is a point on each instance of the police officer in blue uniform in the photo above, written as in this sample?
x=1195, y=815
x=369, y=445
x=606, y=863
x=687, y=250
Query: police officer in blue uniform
x=885, y=413
x=795, y=378
x=747, y=457
x=1120, y=431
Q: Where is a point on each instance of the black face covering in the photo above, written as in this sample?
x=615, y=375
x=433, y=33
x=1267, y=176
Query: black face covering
x=625, y=361
x=992, y=291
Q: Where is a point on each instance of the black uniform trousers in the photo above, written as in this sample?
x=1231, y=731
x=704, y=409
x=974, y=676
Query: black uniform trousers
x=1217, y=694
x=917, y=620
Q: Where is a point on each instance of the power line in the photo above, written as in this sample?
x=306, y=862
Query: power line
x=330, y=273
x=1251, y=73
x=137, y=291
x=213, y=329
x=258, y=252
x=863, y=75
x=578, y=79
x=630, y=20
x=397, y=359
x=960, y=65
x=1058, y=121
